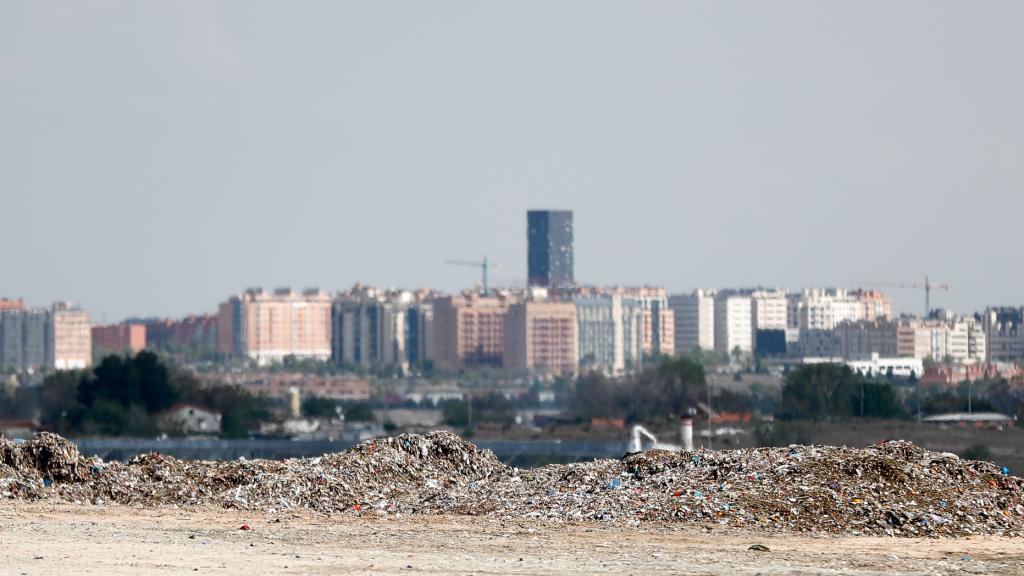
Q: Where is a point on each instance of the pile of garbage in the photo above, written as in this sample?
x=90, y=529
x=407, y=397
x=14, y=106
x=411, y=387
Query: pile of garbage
x=893, y=488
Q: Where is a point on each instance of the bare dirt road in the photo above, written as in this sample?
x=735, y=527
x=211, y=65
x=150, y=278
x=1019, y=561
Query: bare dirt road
x=48, y=540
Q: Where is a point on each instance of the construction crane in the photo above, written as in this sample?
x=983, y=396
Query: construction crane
x=928, y=287
x=483, y=265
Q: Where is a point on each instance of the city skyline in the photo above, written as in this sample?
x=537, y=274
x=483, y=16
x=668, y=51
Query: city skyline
x=159, y=157
x=908, y=301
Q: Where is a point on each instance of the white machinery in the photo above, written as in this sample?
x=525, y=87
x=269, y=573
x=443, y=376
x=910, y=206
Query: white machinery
x=637, y=444
x=639, y=433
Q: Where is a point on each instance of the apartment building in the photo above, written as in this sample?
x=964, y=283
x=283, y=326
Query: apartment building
x=56, y=338
x=863, y=339
x=198, y=331
x=610, y=328
x=958, y=339
x=658, y=326
x=371, y=327
x=117, y=338
x=13, y=304
x=269, y=327
x=875, y=305
x=469, y=330
x=549, y=248
x=1004, y=333
x=794, y=305
x=824, y=309
x=420, y=348
x=72, y=338
x=734, y=327
x=25, y=338
x=694, y=317
x=770, y=309
x=542, y=338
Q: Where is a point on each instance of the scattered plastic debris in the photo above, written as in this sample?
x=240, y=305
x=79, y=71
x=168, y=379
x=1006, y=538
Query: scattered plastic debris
x=893, y=488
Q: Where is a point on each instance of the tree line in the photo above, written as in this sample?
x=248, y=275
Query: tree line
x=814, y=392
x=122, y=396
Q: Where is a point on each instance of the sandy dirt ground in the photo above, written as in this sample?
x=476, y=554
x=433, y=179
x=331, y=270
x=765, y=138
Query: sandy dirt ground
x=49, y=540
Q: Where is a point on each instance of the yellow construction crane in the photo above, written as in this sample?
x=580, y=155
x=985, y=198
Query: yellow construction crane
x=928, y=287
x=483, y=265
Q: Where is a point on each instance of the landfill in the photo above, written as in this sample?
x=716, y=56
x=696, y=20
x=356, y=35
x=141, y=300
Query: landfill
x=894, y=488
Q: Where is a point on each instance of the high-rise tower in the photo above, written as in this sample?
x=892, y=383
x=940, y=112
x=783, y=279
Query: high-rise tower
x=549, y=254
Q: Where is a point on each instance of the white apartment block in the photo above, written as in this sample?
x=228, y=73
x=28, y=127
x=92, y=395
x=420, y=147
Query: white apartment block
x=694, y=320
x=961, y=340
x=825, y=309
x=769, y=309
x=734, y=328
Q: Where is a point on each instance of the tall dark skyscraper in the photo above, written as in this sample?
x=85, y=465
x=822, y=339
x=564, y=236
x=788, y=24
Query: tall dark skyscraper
x=549, y=254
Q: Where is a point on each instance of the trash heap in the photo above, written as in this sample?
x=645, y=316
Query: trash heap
x=894, y=488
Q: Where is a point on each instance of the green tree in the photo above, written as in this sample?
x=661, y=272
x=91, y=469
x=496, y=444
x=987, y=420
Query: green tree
x=947, y=402
x=241, y=412
x=671, y=387
x=60, y=407
x=595, y=396
x=1002, y=397
x=128, y=380
x=880, y=401
x=818, y=392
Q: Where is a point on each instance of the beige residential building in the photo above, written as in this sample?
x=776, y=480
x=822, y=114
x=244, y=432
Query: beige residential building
x=542, y=337
x=269, y=327
x=875, y=305
x=118, y=338
x=469, y=330
x=72, y=338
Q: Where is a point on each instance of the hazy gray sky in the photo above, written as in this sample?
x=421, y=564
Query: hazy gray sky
x=158, y=156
